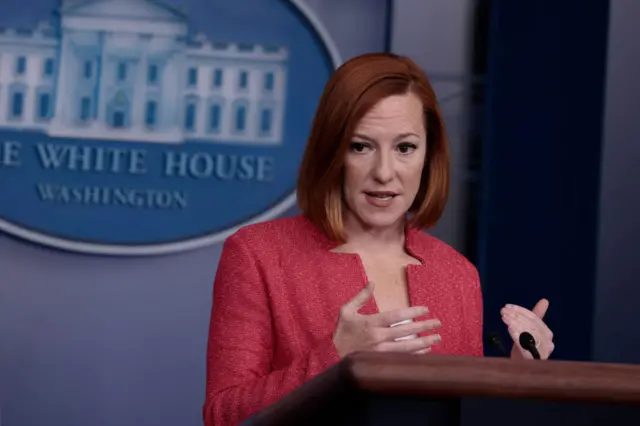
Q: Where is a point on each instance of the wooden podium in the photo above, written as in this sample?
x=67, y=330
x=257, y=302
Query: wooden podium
x=398, y=389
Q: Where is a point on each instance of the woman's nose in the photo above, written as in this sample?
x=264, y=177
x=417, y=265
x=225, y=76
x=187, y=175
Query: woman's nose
x=383, y=169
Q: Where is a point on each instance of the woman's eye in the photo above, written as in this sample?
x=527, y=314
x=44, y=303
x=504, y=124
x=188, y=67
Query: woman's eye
x=406, y=148
x=359, y=146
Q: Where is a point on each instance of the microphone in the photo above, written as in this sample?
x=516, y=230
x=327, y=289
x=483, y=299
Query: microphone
x=529, y=343
x=494, y=340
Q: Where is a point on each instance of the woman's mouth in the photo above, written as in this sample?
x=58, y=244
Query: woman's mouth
x=380, y=198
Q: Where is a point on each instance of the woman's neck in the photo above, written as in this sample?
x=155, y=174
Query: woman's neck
x=364, y=238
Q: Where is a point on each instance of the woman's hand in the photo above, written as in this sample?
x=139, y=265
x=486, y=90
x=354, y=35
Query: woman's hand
x=357, y=332
x=519, y=320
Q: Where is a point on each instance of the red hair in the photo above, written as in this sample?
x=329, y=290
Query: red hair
x=353, y=89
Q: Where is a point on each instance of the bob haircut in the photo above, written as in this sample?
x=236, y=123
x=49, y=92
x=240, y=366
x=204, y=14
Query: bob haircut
x=353, y=89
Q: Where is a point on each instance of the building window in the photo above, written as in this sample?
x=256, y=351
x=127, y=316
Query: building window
x=215, y=117
x=88, y=68
x=190, y=113
x=122, y=71
x=217, y=78
x=118, y=119
x=85, y=108
x=151, y=113
x=44, y=106
x=268, y=81
x=192, y=77
x=44, y=102
x=152, y=74
x=21, y=65
x=244, y=79
x=16, y=98
x=48, y=67
x=17, y=105
x=118, y=111
x=266, y=120
x=240, y=118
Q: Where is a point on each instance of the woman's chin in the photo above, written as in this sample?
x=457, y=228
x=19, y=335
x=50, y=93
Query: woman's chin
x=381, y=220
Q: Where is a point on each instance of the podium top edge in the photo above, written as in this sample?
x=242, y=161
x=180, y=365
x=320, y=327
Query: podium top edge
x=456, y=376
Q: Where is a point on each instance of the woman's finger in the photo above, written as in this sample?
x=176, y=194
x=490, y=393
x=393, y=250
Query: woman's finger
x=386, y=319
x=410, y=328
x=519, y=310
x=529, y=323
x=517, y=324
x=538, y=311
x=409, y=345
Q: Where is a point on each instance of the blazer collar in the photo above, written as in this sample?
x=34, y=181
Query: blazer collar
x=411, y=233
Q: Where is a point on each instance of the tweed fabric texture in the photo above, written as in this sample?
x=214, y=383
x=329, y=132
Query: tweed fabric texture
x=276, y=300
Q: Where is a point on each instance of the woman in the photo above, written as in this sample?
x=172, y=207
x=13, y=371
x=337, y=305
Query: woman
x=354, y=271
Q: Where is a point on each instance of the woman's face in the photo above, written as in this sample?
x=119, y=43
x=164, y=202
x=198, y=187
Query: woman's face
x=383, y=166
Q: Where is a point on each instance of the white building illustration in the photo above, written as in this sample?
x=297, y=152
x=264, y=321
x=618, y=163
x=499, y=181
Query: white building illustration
x=128, y=70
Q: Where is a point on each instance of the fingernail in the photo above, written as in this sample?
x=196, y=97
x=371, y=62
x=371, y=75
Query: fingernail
x=438, y=338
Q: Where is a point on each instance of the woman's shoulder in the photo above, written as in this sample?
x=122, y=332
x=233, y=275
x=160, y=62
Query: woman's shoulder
x=281, y=232
x=435, y=251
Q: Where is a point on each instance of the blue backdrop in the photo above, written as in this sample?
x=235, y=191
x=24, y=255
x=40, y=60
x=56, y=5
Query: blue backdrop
x=541, y=162
x=103, y=341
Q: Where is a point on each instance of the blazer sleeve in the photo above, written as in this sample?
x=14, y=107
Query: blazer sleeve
x=475, y=315
x=240, y=380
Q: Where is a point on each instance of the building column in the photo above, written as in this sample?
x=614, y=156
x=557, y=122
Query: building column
x=138, y=103
x=101, y=101
x=62, y=114
x=173, y=88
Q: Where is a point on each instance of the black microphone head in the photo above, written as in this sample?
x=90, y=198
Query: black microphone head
x=526, y=340
x=494, y=340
